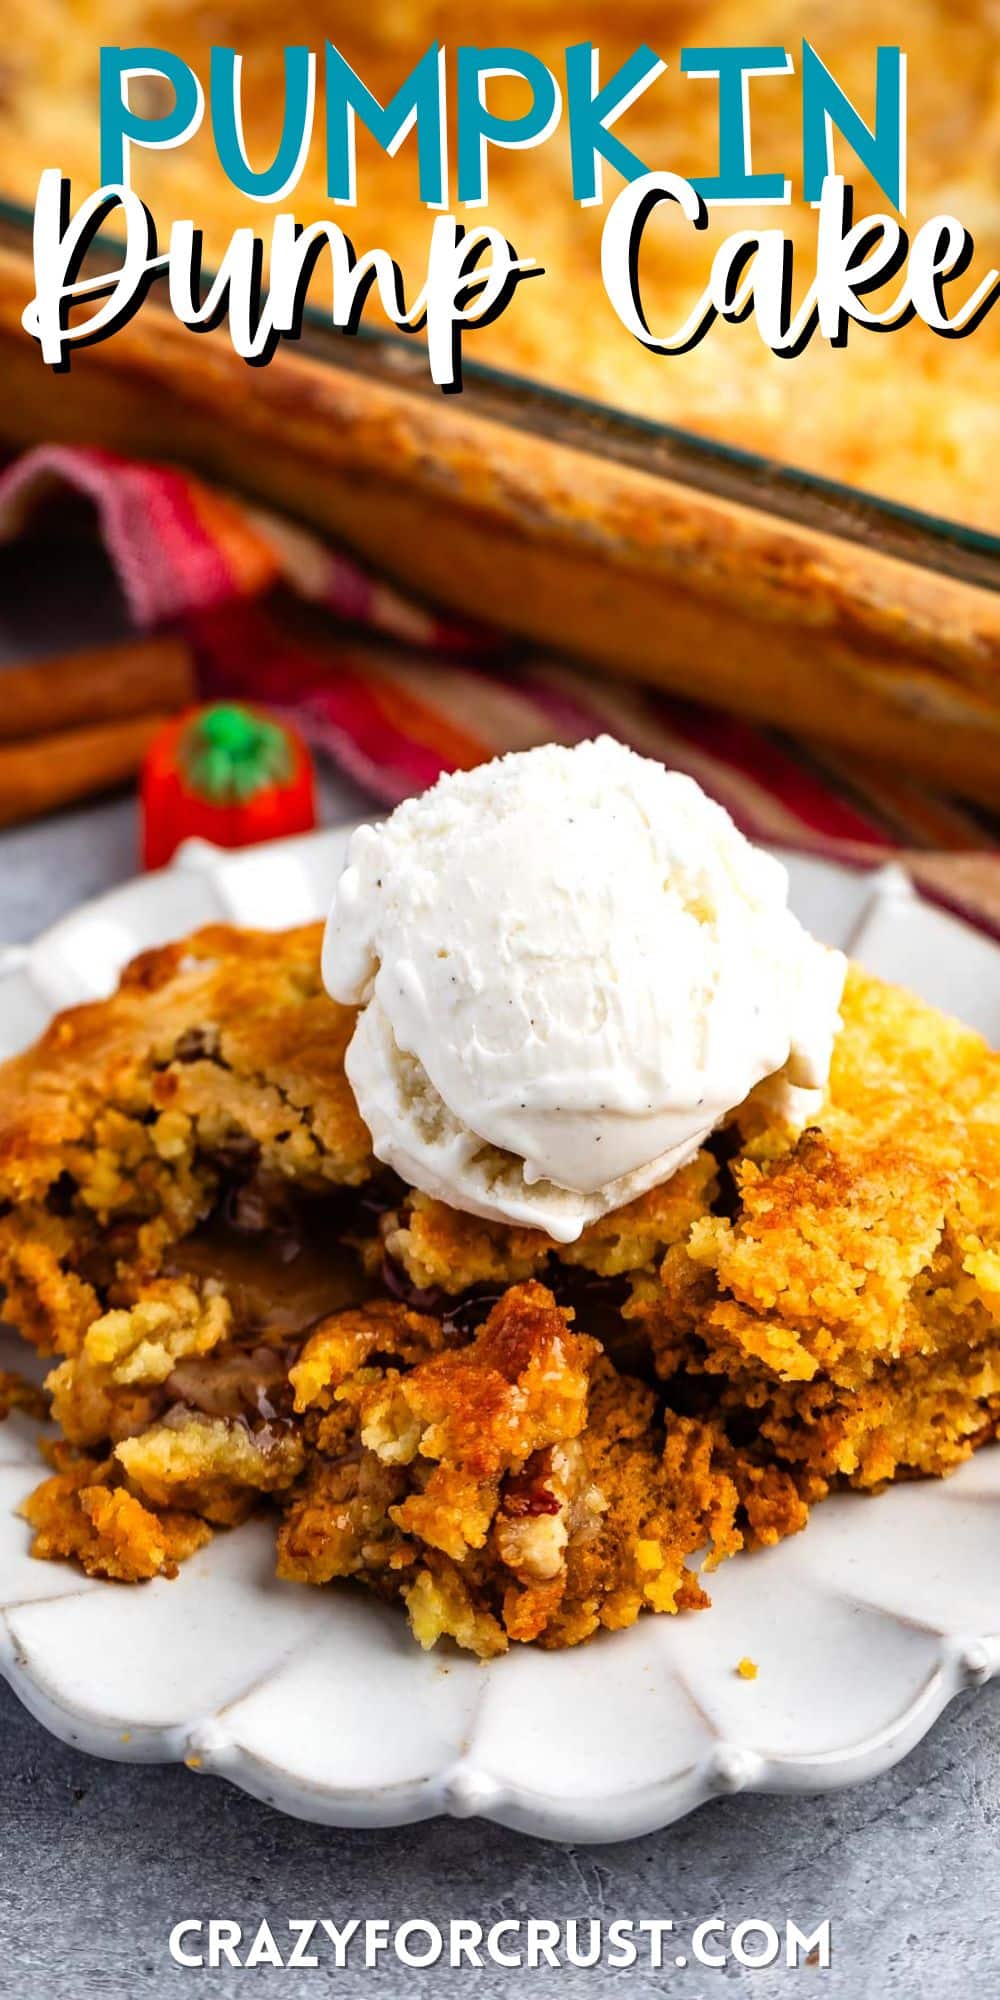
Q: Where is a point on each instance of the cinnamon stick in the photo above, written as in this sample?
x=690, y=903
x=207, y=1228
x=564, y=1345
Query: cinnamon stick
x=46, y=772
x=99, y=684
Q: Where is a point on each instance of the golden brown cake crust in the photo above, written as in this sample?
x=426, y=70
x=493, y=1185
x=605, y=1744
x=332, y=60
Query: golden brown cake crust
x=932, y=445
x=116, y=1126
x=521, y=1441
x=245, y=1002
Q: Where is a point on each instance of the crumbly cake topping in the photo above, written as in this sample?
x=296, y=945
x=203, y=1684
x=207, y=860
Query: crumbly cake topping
x=519, y=1440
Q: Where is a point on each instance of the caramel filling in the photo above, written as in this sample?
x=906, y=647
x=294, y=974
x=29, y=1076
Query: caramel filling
x=279, y=1282
x=282, y=1271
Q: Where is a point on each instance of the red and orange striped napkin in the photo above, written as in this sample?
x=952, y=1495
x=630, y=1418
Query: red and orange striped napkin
x=395, y=694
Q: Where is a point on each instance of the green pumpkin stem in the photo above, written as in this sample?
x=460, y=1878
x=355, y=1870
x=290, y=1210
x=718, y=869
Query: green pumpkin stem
x=230, y=753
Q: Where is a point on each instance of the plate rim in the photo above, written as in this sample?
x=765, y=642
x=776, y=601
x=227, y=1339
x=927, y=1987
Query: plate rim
x=466, y=1786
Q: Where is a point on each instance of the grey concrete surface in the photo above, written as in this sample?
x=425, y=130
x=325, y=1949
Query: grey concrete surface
x=98, y=1861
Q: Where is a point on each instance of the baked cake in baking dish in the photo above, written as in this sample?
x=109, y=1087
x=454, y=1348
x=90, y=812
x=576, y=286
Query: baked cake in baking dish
x=521, y=1440
x=920, y=430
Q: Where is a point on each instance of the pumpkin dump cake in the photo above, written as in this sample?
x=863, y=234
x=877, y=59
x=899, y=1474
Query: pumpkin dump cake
x=523, y=1438
x=929, y=440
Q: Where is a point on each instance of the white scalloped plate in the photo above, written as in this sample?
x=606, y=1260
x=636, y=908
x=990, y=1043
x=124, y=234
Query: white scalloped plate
x=863, y=1627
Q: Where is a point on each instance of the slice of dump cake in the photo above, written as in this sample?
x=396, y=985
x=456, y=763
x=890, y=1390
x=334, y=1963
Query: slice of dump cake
x=522, y=1439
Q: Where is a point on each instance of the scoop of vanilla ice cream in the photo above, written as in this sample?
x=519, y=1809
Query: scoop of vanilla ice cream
x=570, y=967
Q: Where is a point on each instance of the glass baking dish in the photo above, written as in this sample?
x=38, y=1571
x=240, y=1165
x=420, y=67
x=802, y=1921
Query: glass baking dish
x=650, y=551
